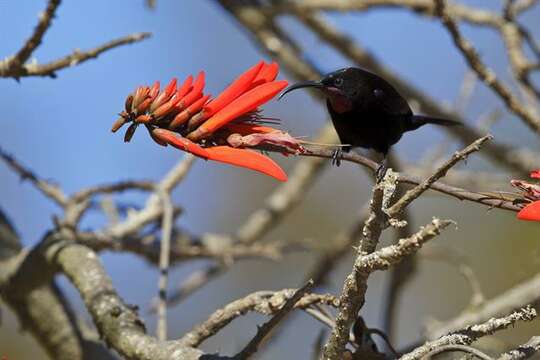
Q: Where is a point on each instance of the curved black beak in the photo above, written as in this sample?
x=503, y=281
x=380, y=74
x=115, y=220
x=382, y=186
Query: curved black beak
x=300, y=85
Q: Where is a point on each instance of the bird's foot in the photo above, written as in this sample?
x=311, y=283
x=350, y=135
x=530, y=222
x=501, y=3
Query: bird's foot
x=336, y=156
x=381, y=171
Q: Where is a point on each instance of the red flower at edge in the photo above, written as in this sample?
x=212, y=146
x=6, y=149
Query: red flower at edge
x=218, y=129
x=530, y=197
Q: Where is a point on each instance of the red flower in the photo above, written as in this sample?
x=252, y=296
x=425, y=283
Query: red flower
x=218, y=129
x=530, y=197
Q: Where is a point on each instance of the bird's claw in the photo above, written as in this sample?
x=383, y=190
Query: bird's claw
x=336, y=157
x=381, y=171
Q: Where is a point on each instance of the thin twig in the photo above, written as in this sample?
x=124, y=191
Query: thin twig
x=117, y=187
x=485, y=73
x=264, y=302
x=48, y=189
x=462, y=12
x=164, y=259
x=390, y=255
x=264, y=330
x=518, y=296
x=441, y=171
x=77, y=57
x=195, y=281
x=470, y=334
x=45, y=21
x=355, y=285
x=525, y=351
x=456, y=192
x=457, y=347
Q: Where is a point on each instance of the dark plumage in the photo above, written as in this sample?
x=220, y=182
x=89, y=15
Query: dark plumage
x=367, y=111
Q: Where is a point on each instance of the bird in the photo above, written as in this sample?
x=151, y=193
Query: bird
x=367, y=112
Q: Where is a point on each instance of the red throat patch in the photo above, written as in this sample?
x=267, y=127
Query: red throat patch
x=339, y=102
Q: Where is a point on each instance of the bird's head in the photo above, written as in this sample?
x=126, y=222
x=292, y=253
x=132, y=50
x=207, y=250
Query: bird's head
x=341, y=87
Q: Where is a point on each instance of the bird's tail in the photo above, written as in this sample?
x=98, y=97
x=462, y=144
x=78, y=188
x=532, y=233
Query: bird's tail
x=420, y=120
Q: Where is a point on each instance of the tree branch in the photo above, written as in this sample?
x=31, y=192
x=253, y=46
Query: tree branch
x=266, y=328
x=77, y=57
x=470, y=334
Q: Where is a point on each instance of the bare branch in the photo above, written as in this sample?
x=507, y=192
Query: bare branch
x=484, y=73
x=266, y=328
x=51, y=191
x=470, y=334
x=44, y=311
x=120, y=186
x=264, y=302
x=367, y=261
x=117, y=322
x=516, y=297
x=418, y=190
x=164, y=259
x=355, y=286
x=45, y=20
x=423, y=7
x=525, y=351
x=453, y=191
x=194, y=282
x=76, y=58
x=460, y=348
x=390, y=255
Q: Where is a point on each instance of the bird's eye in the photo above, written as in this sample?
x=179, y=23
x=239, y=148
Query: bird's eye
x=338, y=81
x=378, y=92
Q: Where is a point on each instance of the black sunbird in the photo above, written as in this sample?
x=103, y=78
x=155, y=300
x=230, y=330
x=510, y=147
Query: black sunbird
x=367, y=111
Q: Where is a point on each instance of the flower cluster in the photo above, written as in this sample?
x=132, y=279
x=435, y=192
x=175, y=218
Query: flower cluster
x=530, y=197
x=220, y=128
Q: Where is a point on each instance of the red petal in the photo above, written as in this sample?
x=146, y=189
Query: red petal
x=246, y=129
x=171, y=88
x=154, y=91
x=239, y=86
x=155, y=138
x=179, y=142
x=268, y=73
x=535, y=174
x=245, y=103
x=530, y=212
x=246, y=159
x=184, y=89
x=198, y=105
x=165, y=109
x=195, y=93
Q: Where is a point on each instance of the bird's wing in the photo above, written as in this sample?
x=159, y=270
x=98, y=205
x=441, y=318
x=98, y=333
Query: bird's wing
x=388, y=100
